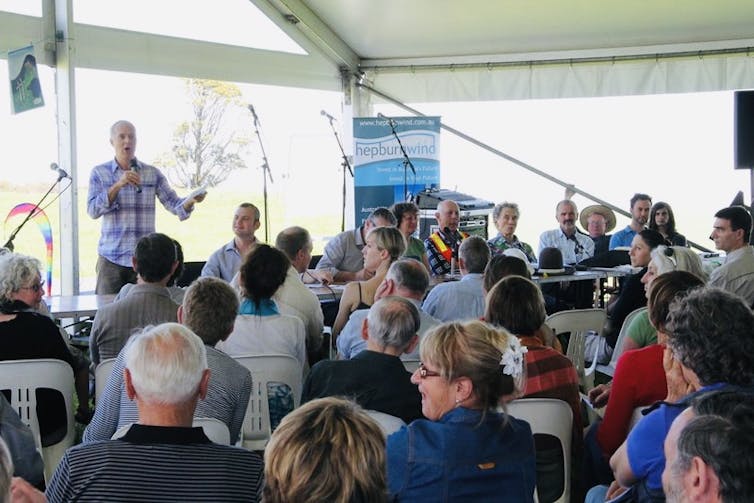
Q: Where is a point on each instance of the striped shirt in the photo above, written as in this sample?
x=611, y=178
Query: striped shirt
x=157, y=463
x=226, y=400
x=131, y=215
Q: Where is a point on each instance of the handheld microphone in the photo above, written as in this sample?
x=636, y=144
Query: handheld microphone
x=329, y=117
x=61, y=172
x=135, y=168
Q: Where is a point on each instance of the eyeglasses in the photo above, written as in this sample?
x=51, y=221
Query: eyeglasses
x=424, y=372
x=670, y=253
x=36, y=287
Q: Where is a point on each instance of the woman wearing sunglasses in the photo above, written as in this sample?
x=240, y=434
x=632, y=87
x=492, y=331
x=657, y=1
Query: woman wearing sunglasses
x=26, y=334
x=465, y=450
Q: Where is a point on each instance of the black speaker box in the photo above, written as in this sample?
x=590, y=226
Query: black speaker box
x=743, y=134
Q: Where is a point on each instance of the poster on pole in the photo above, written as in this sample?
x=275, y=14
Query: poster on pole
x=381, y=175
x=25, y=90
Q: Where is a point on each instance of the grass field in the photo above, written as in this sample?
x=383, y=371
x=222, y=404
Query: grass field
x=207, y=229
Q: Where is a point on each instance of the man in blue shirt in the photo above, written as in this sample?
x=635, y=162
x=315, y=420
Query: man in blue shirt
x=225, y=262
x=640, y=206
x=122, y=191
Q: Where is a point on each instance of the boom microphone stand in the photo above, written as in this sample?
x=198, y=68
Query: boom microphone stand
x=344, y=164
x=37, y=207
x=406, y=161
x=265, y=173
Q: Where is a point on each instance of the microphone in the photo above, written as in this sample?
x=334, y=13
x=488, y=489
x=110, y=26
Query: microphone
x=253, y=112
x=329, y=117
x=135, y=168
x=61, y=172
x=388, y=119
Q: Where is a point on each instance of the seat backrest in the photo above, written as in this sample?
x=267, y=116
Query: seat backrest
x=609, y=369
x=101, y=375
x=191, y=271
x=549, y=416
x=578, y=322
x=388, y=424
x=216, y=430
x=256, y=429
x=411, y=365
x=22, y=378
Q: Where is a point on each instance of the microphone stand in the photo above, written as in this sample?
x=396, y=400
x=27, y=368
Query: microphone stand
x=265, y=173
x=9, y=244
x=346, y=166
x=406, y=162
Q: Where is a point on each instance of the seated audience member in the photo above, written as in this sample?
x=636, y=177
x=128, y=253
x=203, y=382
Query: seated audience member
x=23, y=459
x=176, y=292
x=406, y=278
x=731, y=233
x=293, y=297
x=326, y=450
x=342, y=259
x=516, y=304
x=209, y=309
x=462, y=300
x=224, y=262
x=375, y=378
x=640, y=205
x=632, y=295
x=639, y=380
x=709, y=346
x=640, y=333
x=407, y=217
x=442, y=245
x=6, y=473
x=147, y=303
x=709, y=450
x=260, y=328
x=26, y=334
x=162, y=457
x=465, y=450
x=598, y=220
x=384, y=246
x=662, y=220
x=505, y=215
x=500, y=267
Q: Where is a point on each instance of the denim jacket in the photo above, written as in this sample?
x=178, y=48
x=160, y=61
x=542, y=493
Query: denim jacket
x=460, y=459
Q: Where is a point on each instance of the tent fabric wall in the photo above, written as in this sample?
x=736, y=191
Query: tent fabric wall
x=578, y=80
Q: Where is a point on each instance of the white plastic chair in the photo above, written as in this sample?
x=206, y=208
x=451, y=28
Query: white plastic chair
x=388, y=424
x=609, y=369
x=579, y=322
x=550, y=417
x=216, y=430
x=101, y=375
x=256, y=429
x=23, y=378
x=411, y=365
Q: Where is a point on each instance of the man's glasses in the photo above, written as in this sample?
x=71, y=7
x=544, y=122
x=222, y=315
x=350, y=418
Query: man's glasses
x=36, y=287
x=424, y=372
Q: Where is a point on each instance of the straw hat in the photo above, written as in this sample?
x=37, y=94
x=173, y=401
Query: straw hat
x=602, y=210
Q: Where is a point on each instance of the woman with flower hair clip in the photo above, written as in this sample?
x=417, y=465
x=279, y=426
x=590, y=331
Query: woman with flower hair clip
x=466, y=449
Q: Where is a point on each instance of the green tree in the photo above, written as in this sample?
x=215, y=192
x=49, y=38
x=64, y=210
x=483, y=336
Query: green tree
x=207, y=148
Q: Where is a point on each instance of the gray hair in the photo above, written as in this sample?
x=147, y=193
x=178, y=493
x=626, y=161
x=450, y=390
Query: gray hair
x=410, y=274
x=393, y=321
x=475, y=254
x=166, y=363
x=120, y=123
x=677, y=258
x=292, y=240
x=568, y=202
x=16, y=271
x=384, y=214
x=501, y=206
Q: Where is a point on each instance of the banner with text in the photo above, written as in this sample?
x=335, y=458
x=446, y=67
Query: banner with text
x=381, y=176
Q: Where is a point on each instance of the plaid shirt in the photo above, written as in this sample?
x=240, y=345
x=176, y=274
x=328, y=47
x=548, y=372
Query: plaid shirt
x=131, y=215
x=437, y=262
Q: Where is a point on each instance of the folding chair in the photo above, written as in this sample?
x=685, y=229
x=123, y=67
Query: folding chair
x=609, y=369
x=579, y=322
x=101, y=375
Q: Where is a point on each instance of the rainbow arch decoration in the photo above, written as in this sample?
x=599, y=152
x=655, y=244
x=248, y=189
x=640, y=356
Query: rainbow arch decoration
x=43, y=224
